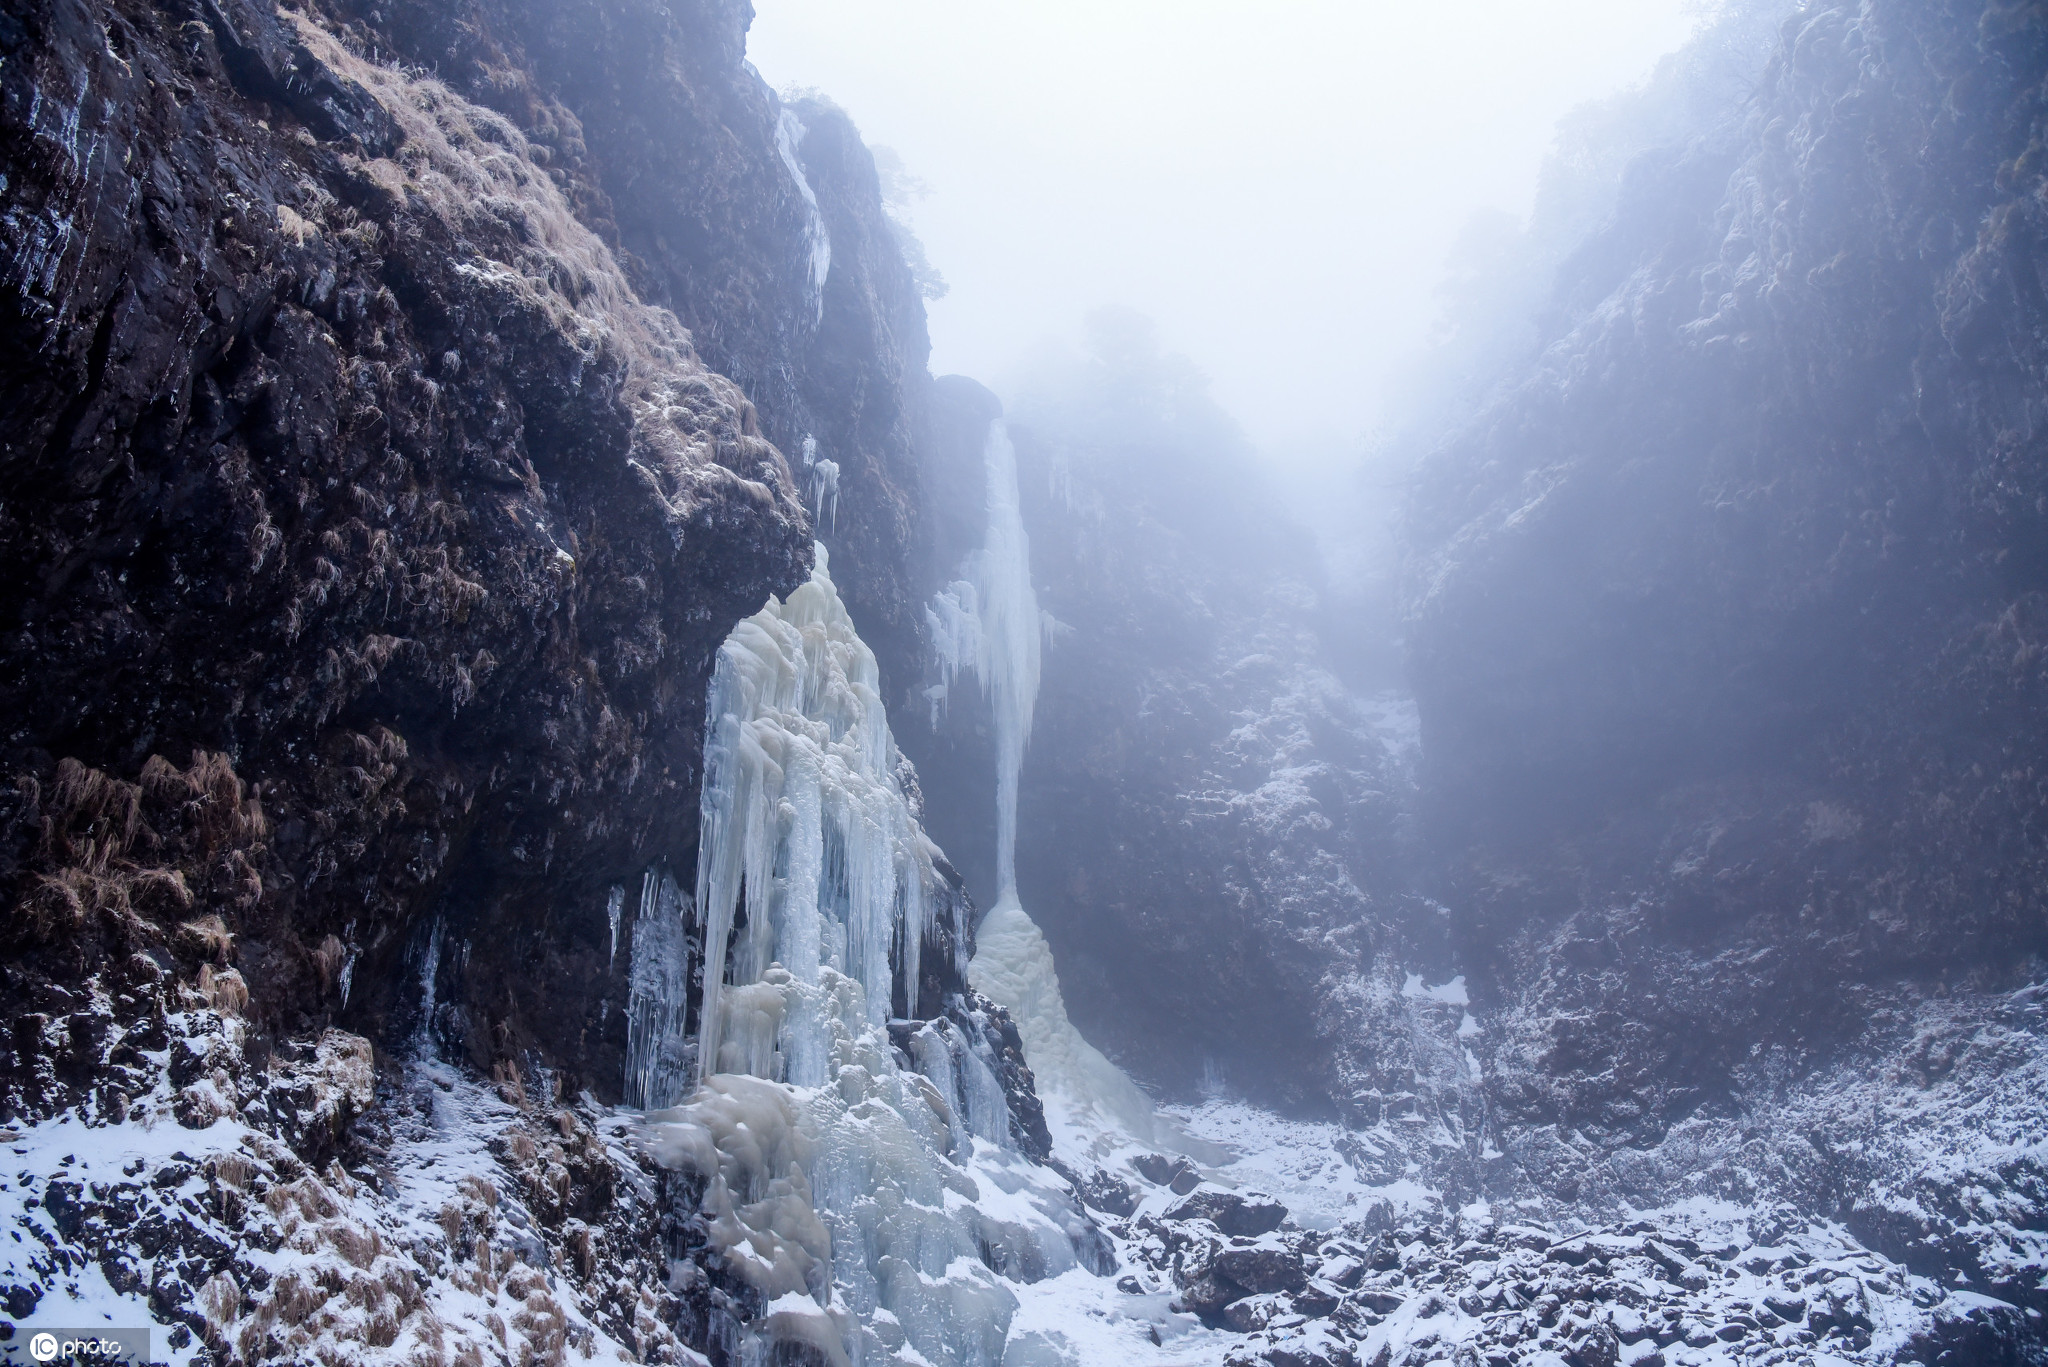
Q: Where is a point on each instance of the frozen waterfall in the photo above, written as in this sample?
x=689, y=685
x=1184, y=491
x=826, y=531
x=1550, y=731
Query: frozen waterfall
x=805, y=826
x=789, y=136
x=857, y=1174
x=989, y=621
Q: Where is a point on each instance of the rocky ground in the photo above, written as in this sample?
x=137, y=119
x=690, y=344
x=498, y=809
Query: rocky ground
x=1709, y=1282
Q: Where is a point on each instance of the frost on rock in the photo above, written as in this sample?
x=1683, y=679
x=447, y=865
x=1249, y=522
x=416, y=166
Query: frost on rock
x=466, y=1229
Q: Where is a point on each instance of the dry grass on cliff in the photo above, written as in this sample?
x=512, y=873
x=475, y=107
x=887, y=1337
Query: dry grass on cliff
x=474, y=171
x=129, y=856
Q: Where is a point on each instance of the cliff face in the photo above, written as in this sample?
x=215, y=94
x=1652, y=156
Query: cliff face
x=357, y=470
x=1209, y=822
x=371, y=521
x=1726, y=625
x=759, y=225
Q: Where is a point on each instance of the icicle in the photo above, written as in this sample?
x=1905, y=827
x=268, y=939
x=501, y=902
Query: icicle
x=989, y=621
x=657, y=1002
x=613, y=906
x=1010, y=641
x=825, y=494
x=430, y=972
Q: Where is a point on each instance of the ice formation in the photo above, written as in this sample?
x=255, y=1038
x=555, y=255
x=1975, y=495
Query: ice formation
x=824, y=493
x=880, y=1213
x=1087, y=1098
x=789, y=135
x=805, y=823
x=989, y=621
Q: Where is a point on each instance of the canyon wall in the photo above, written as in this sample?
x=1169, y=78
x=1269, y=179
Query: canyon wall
x=375, y=460
x=1725, y=620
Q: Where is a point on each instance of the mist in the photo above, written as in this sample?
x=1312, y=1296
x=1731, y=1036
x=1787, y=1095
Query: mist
x=1278, y=186
x=935, y=684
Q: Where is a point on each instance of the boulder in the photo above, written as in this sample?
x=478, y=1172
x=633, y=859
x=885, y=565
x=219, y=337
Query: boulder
x=1262, y=1267
x=1206, y=1296
x=1246, y=1217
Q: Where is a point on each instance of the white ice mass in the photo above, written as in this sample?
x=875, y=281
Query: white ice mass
x=789, y=136
x=881, y=1213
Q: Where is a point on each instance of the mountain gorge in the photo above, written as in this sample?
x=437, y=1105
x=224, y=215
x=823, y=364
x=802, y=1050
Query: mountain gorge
x=452, y=919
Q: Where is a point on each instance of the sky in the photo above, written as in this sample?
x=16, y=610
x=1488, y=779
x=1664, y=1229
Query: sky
x=1275, y=183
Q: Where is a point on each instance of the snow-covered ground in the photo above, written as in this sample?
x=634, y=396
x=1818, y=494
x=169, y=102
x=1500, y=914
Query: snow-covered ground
x=204, y=1226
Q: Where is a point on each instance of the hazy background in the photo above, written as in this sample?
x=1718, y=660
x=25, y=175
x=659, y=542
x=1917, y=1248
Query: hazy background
x=1278, y=184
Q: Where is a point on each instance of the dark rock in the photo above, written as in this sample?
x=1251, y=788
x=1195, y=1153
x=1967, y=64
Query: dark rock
x=1101, y=1191
x=1595, y=1347
x=1207, y=1295
x=1380, y=1302
x=1262, y=1268
x=990, y=1027
x=1791, y=1309
x=1234, y=1214
x=1157, y=1168
x=1316, y=1301
x=1301, y=1355
x=1251, y=1314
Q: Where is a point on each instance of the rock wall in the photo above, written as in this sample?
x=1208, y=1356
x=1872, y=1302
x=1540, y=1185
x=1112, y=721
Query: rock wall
x=371, y=522
x=1725, y=616
x=1208, y=819
x=372, y=514
x=678, y=155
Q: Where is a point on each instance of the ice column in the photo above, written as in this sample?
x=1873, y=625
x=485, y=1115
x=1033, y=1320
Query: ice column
x=990, y=621
x=807, y=842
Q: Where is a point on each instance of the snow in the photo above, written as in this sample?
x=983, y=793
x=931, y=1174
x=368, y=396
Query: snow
x=1451, y=993
x=309, y=1234
x=1078, y=1319
x=80, y=1296
x=1300, y=1163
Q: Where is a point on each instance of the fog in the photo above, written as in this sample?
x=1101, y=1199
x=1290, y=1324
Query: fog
x=1277, y=185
